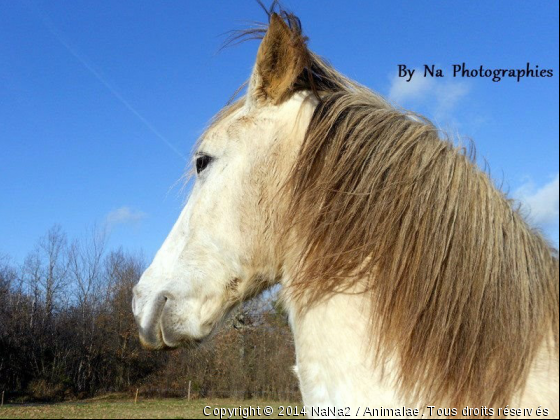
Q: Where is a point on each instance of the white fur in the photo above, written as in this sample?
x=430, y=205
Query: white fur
x=227, y=232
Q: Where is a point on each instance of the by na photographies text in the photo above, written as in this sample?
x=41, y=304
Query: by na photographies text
x=464, y=71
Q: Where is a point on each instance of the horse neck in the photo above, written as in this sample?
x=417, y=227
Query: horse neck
x=334, y=358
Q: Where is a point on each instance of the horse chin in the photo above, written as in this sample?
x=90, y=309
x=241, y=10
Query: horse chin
x=165, y=344
x=158, y=346
x=193, y=336
x=171, y=340
x=188, y=342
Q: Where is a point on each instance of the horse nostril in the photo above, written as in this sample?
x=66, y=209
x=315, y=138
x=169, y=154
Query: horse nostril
x=166, y=296
x=164, y=299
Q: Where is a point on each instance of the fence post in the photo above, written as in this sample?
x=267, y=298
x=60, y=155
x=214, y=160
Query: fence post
x=2, y=404
x=136, y=397
x=189, y=394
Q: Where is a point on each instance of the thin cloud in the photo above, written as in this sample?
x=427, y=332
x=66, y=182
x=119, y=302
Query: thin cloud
x=541, y=203
x=440, y=96
x=448, y=96
x=402, y=91
x=124, y=215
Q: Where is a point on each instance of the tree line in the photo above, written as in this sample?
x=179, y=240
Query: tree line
x=67, y=332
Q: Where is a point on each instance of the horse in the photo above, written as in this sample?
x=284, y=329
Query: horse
x=409, y=278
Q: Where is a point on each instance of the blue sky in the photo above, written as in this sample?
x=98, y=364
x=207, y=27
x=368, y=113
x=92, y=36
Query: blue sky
x=100, y=102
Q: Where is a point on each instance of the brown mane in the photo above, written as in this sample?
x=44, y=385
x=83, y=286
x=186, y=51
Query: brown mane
x=464, y=292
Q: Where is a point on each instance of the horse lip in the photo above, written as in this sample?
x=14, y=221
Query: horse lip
x=134, y=302
x=149, y=326
x=160, y=345
x=134, y=305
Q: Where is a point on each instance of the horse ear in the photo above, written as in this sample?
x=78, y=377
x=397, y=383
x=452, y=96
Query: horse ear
x=281, y=58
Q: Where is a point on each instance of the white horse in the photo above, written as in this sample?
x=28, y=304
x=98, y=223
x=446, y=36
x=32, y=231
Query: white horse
x=408, y=278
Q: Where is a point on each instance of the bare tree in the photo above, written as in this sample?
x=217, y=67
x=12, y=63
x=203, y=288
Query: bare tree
x=53, y=247
x=85, y=259
x=67, y=329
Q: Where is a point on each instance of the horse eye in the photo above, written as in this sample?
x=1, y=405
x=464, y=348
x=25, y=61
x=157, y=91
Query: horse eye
x=202, y=162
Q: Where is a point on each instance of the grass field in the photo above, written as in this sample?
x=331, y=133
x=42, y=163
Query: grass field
x=158, y=409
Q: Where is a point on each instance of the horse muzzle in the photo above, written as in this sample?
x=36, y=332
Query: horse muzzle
x=170, y=318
